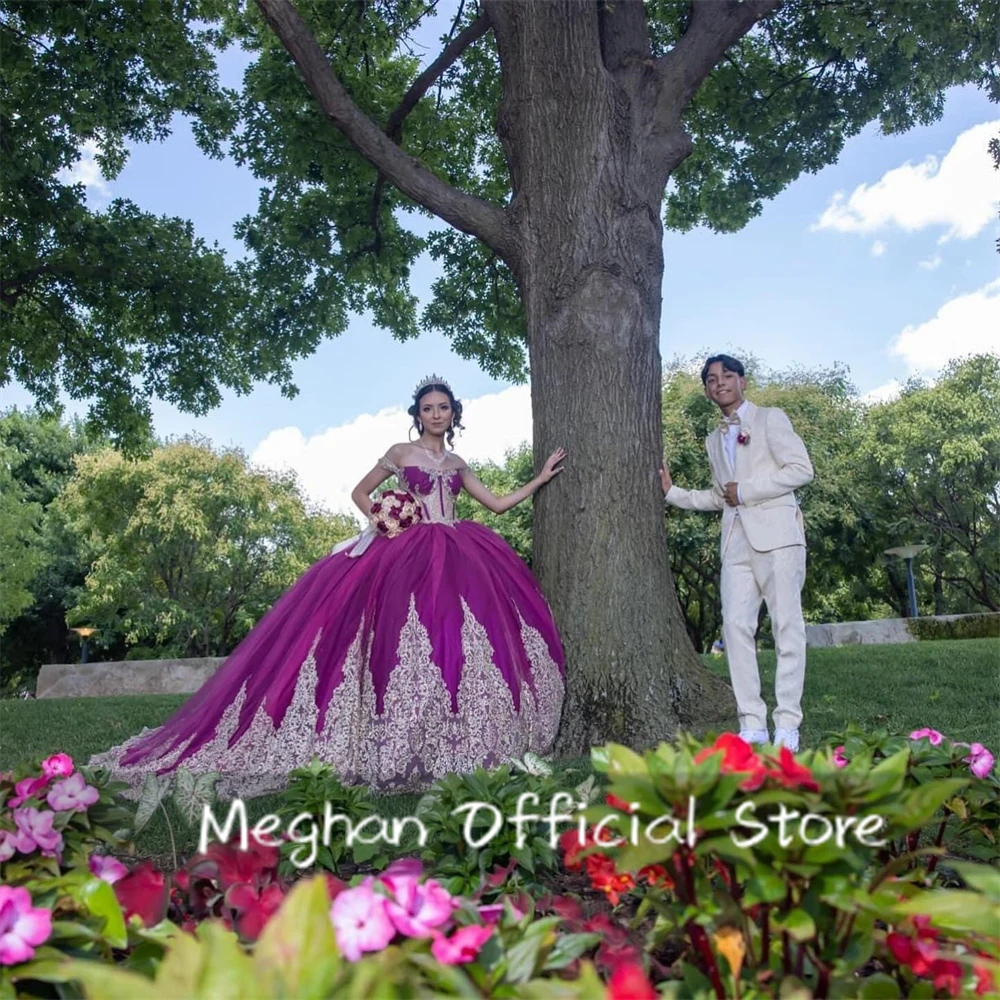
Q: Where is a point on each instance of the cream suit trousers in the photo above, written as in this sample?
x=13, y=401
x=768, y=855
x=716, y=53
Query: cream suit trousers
x=776, y=577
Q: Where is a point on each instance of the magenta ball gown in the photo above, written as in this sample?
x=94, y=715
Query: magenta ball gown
x=433, y=652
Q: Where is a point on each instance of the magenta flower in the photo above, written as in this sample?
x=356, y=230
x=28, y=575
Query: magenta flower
x=22, y=926
x=34, y=829
x=25, y=789
x=838, y=757
x=59, y=765
x=980, y=760
x=360, y=922
x=107, y=868
x=931, y=734
x=418, y=909
x=491, y=913
x=463, y=946
x=72, y=794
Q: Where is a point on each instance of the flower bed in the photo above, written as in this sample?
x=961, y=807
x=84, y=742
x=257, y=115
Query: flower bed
x=691, y=871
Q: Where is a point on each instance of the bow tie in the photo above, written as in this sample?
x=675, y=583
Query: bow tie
x=727, y=422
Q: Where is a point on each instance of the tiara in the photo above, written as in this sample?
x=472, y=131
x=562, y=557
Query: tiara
x=430, y=380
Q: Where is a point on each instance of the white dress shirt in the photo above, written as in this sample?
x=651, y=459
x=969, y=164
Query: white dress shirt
x=730, y=443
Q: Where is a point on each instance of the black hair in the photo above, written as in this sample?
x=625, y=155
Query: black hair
x=456, y=410
x=729, y=364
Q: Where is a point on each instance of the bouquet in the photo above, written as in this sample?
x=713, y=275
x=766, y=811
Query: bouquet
x=393, y=512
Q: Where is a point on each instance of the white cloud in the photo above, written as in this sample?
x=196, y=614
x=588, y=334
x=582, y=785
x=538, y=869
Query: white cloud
x=932, y=262
x=878, y=248
x=958, y=192
x=967, y=324
x=882, y=393
x=86, y=171
x=330, y=464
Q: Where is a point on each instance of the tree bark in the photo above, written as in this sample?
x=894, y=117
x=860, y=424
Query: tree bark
x=590, y=163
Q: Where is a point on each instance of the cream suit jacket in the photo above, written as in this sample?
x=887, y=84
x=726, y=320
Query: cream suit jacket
x=769, y=468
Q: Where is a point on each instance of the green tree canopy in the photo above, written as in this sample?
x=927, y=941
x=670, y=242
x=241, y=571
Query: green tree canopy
x=190, y=546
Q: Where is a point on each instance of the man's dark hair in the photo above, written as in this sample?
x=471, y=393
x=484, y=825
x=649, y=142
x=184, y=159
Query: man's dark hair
x=728, y=364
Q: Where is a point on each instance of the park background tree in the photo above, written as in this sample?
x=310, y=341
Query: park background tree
x=190, y=546
x=545, y=135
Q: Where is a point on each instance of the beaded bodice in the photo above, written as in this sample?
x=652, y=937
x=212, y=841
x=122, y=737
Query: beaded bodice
x=437, y=490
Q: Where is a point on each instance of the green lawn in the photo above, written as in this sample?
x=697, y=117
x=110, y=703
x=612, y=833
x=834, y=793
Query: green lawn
x=953, y=686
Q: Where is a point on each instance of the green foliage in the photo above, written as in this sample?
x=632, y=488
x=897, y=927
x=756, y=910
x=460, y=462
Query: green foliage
x=453, y=825
x=810, y=76
x=935, y=451
x=190, y=546
x=39, y=453
x=113, y=304
x=965, y=627
x=514, y=526
x=20, y=554
x=99, y=302
x=311, y=791
x=765, y=895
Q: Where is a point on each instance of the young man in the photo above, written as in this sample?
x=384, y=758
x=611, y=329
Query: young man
x=757, y=461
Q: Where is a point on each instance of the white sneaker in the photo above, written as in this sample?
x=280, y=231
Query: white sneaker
x=787, y=738
x=753, y=735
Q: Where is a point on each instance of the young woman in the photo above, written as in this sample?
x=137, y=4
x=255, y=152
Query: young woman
x=397, y=659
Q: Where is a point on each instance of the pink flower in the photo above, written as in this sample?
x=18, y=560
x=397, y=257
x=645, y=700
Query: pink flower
x=980, y=760
x=26, y=789
x=839, y=759
x=8, y=845
x=360, y=922
x=73, y=795
x=418, y=909
x=931, y=734
x=35, y=830
x=22, y=926
x=59, y=765
x=463, y=946
x=107, y=868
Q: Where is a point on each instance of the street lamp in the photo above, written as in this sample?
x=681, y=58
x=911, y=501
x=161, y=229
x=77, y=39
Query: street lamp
x=83, y=631
x=907, y=552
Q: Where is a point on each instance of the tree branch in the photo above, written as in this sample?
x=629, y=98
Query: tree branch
x=463, y=211
x=715, y=25
x=425, y=81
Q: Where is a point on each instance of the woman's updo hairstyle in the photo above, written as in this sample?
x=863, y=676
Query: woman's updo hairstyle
x=456, y=407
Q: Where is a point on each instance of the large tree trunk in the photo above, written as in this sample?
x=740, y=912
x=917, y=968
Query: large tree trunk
x=589, y=168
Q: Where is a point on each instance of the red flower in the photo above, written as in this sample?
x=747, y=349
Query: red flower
x=656, y=875
x=947, y=975
x=629, y=982
x=918, y=954
x=790, y=773
x=739, y=758
x=617, y=803
x=253, y=907
x=143, y=892
x=984, y=980
x=228, y=865
x=572, y=848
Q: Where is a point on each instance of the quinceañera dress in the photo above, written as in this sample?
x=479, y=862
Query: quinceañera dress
x=397, y=660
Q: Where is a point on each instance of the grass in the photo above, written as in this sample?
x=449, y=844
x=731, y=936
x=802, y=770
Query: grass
x=950, y=685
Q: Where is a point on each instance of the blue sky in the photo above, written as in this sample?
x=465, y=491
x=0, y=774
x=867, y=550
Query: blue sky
x=875, y=262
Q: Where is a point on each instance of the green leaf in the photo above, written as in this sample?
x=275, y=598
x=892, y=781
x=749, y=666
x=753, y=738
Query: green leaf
x=154, y=790
x=568, y=948
x=879, y=986
x=297, y=953
x=984, y=878
x=106, y=981
x=799, y=925
x=956, y=910
x=192, y=793
x=99, y=897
